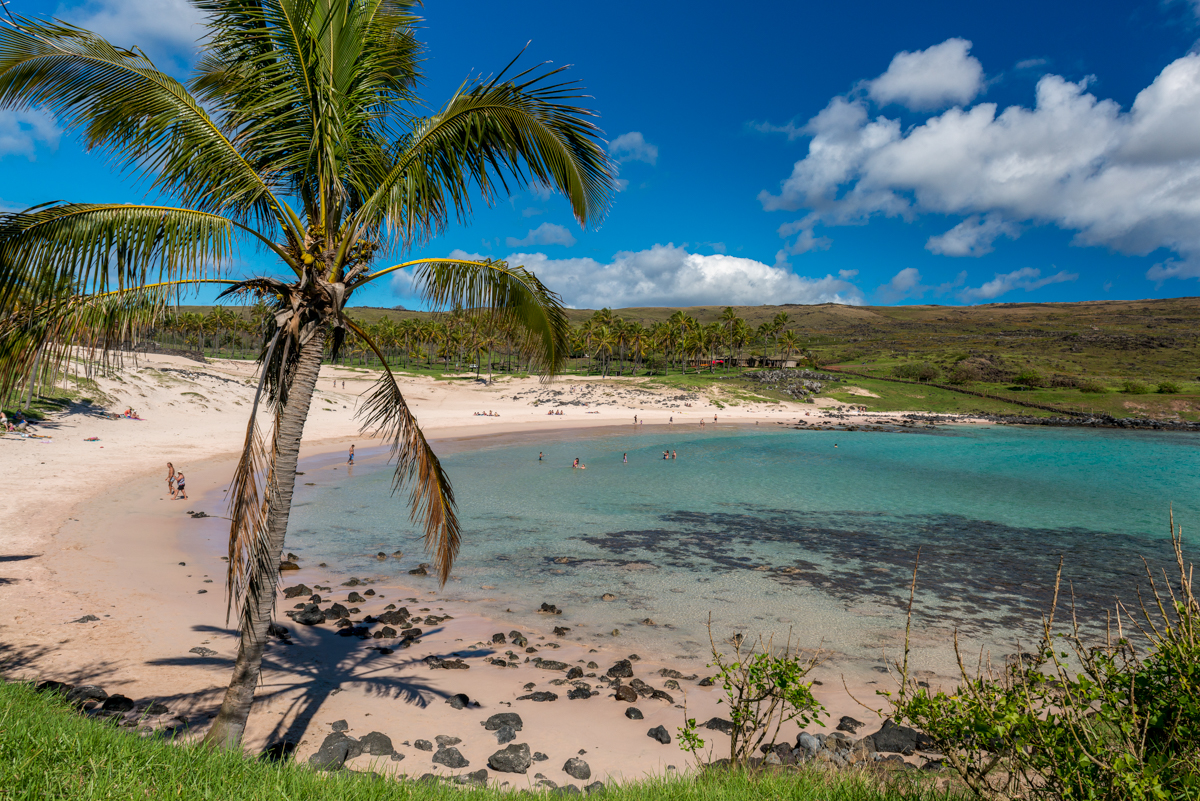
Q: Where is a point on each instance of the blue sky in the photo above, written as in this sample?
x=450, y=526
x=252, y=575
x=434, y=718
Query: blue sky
x=785, y=152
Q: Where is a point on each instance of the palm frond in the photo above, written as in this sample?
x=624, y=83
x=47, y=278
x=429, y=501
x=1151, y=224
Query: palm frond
x=252, y=562
x=525, y=130
x=53, y=323
x=94, y=248
x=142, y=118
x=431, y=497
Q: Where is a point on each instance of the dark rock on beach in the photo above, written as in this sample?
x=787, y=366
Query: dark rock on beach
x=458, y=701
x=339, y=725
x=579, y=693
x=495, y=722
x=512, y=759
x=450, y=757
x=355, y=598
x=633, y=713
x=86, y=619
x=575, y=673
x=550, y=609
x=849, y=724
x=576, y=768
x=117, y=703
x=422, y=745
x=659, y=733
x=311, y=615
x=622, y=670
x=377, y=744
x=719, y=724
x=893, y=738
x=505, y=734
x=333, y=753
x=538, y=696
x=85, y=693
x=550, y=664
x=296, y=591
x=626, y=694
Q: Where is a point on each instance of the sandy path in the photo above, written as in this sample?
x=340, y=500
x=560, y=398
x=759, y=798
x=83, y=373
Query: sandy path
x=88, y=528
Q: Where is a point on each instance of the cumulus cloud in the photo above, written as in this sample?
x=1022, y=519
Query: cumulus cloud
x=1128, y=180
x=544, y=234
x=904, y=284
x=633, y=146
x=1027, y=278
x=971, y=237
x=665, y=275
x=22, y=131
x=940, y=76
x=160, y=27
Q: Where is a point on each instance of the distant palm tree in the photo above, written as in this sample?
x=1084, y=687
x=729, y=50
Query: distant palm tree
x=790, y=342
x=300, y=132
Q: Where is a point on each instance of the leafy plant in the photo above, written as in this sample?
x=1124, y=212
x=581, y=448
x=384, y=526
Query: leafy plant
x=1131, y=386
x=1029, y=378
x=763, y=689
x=1093, y=386
x=964, y=374
x=1077, y=718
x=1169, y=388
x=917, y=372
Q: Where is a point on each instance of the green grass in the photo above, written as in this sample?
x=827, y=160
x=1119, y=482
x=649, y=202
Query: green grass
x=47, y=751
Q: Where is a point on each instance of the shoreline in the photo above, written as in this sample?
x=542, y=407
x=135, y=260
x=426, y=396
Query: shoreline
x=91, y=537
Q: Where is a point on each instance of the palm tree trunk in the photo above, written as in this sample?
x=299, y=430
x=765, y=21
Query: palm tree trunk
x=230, y=723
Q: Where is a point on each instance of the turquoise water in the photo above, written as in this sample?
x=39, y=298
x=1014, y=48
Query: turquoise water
x=771, y=529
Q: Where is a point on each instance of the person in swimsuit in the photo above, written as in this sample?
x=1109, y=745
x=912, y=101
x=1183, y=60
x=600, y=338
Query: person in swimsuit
x=351, y=459
x=180, y=487
x=625, y=458
x=540, y=456
x=575, y=463
x=674, y=455
x=171, y=479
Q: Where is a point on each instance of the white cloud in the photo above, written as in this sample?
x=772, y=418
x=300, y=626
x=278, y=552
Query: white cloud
x=531, y=212
x=1172, y=268
x=1031, y=63
x=545, y=234
x=162, y=28
x=971, y=237
x=22, y=131
x=904, y=284
x=940, y=76
x=665, y=275
x=846, y=275
x=1027, y=278
x=1125, y=180
x=633, y=146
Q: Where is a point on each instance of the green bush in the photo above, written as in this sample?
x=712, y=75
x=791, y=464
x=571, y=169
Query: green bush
x=1079, y=718
x=764, y=688
x=964, y=374
x=916, y=372
x=1092, y=385
x=1131, y=386
x=1029, y=378
x=1169, y=388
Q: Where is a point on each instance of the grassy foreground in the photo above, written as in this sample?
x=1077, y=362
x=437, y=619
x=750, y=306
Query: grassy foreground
x=47, y=751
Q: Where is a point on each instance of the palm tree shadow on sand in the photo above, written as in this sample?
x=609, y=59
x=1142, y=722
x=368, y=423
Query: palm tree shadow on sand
x=303, y=672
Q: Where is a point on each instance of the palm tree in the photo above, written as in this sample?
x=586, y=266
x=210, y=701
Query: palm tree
x=789, y=342
x=778, y=323
x=300, y=132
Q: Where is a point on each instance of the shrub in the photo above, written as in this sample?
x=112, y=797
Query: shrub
x=1092, y=385
x=1029, y=378
x=763, y=690
x=1132, y=386
x=964, y=374
x=1076, y=718
x=1169, y=388
x=917, y=372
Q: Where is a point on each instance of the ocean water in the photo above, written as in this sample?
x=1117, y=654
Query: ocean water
x=771, y=531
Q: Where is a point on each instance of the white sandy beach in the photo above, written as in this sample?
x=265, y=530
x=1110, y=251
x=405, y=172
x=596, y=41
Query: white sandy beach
x=89, y=529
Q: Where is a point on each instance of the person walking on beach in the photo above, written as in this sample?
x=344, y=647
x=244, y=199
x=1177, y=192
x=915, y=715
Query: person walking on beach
x=180, y=488
x=171, y=479
x=351, y=459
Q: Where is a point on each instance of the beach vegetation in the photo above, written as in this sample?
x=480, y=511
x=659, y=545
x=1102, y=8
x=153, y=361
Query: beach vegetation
x=1093, y=710
x=763, y=686
x=300, y=132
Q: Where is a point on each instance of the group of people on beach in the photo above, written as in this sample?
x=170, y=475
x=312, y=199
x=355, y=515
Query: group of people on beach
x=176, y=484
x=17, y=423
x=488, y=413
x=554, y=411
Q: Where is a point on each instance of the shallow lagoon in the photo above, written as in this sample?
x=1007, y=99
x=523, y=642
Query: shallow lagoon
x=771, y=529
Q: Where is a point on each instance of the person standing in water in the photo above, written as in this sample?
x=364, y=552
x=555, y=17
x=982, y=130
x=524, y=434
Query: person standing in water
x=351, y=459
x=541, y=456
x=625, y=458
x=180, y=488
x=171, y=479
